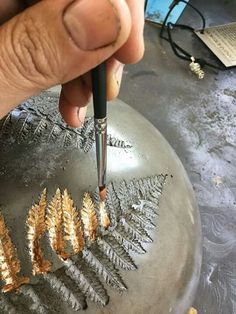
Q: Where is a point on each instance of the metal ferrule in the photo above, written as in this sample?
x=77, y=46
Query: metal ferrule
x=101, y=149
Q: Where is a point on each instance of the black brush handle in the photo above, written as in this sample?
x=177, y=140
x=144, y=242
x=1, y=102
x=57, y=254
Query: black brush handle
x=99, y=91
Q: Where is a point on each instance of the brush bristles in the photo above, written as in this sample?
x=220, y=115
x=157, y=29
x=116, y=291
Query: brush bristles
x=102, y=193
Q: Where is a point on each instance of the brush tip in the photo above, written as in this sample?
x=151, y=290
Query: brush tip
x=102, y=193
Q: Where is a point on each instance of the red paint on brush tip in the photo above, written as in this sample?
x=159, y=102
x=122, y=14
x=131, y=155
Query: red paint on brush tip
x=102, y=193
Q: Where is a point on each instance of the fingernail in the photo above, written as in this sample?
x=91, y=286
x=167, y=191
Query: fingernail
x=118, y=74
x=82, y=114
x=92, y=24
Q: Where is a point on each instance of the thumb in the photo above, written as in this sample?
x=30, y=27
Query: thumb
x=54, y=42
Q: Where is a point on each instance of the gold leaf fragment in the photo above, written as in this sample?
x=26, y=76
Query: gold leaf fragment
x=36, y=229
x=105, y=220
x=72, y=223
x=9, y=262
x=192, y=311
x=89, y=217
x=54, y=221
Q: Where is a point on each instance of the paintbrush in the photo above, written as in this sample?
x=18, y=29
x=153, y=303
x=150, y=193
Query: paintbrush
x=100, y=124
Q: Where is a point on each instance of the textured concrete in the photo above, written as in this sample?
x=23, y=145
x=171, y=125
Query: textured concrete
x=198, y=120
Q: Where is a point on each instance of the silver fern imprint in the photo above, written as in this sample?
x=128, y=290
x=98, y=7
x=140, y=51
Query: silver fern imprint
x=35, y=121
x=133, y=208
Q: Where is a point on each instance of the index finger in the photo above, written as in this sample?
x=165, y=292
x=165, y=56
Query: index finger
x=133, y=49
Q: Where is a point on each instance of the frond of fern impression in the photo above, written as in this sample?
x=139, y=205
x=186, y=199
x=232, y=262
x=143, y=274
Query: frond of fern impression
x=141, y=220
x=35, y=121
x=34, y=301
x=104, y=218
x=64, y=292
x=54, y=223
x=72, y=287
x=116, y=253
x=112, y=204
x=135, y=231
x=149, y=185
x=104, y=268
x=127, y=240
x=36, y=228
x=6, y=306
x=72, y=224
x=9, y=262
x=87, y=282
x=89, y=218
x=147, y=211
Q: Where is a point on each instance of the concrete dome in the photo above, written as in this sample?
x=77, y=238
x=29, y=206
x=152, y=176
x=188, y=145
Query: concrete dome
x=38, y=150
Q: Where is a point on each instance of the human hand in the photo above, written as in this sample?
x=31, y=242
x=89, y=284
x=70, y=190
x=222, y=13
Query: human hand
x=59, y=42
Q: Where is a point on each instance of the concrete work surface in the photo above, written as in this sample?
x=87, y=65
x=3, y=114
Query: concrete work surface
x=198, y=120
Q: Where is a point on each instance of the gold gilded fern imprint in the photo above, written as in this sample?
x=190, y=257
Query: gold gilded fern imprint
x=9, y=262
x=104, y=218
x=69, y=233
x=36, y=228
x=89, y=217
x=65, y=228
x=72, y=224
x=54, y=223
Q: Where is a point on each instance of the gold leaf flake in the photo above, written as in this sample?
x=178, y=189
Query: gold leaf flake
x=36, y=229
x=104, y=218
x=89, y=217
x=9, y=262
x=54, y=221
x=192, y=311
x=72, y=223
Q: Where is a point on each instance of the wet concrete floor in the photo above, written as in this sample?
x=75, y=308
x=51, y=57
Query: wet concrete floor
x=198, y=118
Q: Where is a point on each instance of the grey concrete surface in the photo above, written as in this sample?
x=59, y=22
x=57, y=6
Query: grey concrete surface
x=198, y=118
